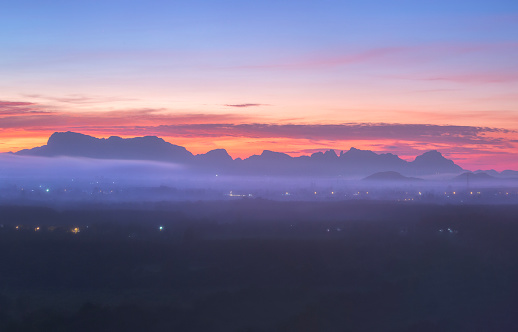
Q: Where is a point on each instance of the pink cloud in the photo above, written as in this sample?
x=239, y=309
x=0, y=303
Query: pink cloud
x=21, y=115
x=14, y=103
x=17, y=109
x=245, y=105
x=78, y=99
x=31, y=115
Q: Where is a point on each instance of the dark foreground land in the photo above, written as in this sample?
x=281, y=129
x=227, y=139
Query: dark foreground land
x=257, y=265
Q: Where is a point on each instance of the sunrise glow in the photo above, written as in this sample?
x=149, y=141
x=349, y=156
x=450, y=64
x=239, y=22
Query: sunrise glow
x=296, y=78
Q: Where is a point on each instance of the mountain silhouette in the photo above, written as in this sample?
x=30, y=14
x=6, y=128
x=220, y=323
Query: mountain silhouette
x=354, y=162
x=138, y=148
x=432, y=162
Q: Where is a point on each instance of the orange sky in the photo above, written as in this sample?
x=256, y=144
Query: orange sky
x=243, y=133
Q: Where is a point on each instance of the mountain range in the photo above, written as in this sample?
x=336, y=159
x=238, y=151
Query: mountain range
x=329, y=163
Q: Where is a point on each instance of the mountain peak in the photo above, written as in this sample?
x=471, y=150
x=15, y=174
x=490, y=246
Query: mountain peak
x=215, y=155
x=433, y=161
x=274, y=155
x=69, y=137
x=138, y=148
x=330, y=154
x=355, y=150
x=432, y=154
x=357, y=153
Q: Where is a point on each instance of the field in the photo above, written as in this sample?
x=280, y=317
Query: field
x=259, y=265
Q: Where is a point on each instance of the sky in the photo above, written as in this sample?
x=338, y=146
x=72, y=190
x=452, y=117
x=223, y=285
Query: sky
x=403, y=77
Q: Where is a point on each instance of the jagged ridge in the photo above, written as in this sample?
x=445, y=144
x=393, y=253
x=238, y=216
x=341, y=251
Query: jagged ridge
x=351, y=162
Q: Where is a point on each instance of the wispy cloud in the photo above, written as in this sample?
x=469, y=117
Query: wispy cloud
x=14, y=103
x=41, y=117
x=393, y=55
x=502, y=116
x=487, y=77
x=245, y=105
x=328, y=59
x=20, y=108
x=78, y=99
x=23, y=115
x=342, y=132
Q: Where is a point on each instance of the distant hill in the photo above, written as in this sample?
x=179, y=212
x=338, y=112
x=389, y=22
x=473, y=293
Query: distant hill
x=475, y=177
x=480, y=177
x=509, y=173
x=490, y=172
x=502, y=174
x=390, y=176
x=354, y=162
